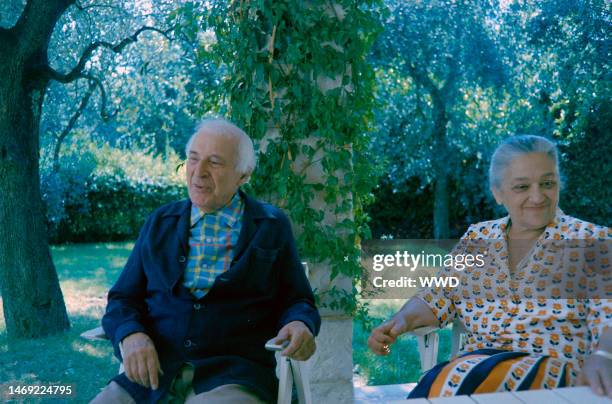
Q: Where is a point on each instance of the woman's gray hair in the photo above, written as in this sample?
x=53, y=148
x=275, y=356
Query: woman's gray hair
x=245, y=162
x=515, y=146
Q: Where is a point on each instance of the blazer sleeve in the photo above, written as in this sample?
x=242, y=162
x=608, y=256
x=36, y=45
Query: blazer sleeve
x=126, y=306
x=296, y=296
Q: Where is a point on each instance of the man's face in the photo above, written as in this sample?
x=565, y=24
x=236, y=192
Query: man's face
x=530, y=191
x=212, y=178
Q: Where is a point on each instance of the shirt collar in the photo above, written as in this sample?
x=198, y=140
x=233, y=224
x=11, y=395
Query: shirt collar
x=549, y=231
x=227, y=215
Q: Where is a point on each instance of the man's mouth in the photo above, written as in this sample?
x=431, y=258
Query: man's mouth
x=202, y=188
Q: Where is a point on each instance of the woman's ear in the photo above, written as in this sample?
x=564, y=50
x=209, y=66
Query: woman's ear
x=497, y=194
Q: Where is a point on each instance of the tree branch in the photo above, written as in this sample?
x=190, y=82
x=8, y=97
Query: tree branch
x=103, y=98
x=59, y=139
x=76, y=71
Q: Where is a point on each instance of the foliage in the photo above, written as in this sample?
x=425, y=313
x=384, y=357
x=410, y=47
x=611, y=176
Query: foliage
x=107, y=193
x=435, y=61
x=154, y=90
x=571, y=43
x=298, y=82
x=546, y=73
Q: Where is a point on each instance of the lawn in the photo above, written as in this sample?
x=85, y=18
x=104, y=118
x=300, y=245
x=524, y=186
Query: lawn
x=86, y=272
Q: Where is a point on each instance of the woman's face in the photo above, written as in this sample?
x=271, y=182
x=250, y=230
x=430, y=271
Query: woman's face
x=530, y=191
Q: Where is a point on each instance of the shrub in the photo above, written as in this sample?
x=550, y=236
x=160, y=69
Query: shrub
x=106, y=193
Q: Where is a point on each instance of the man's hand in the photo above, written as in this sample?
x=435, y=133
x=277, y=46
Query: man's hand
x=140, y=360
x=597, y=373
x=386, y=334
x=301, y=342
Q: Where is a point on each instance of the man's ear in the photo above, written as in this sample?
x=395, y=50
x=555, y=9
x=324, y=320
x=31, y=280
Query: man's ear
x=244, y=178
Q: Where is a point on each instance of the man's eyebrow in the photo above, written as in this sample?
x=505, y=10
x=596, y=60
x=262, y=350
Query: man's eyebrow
x=193, y=152
x=216, y=156
x=548, y=175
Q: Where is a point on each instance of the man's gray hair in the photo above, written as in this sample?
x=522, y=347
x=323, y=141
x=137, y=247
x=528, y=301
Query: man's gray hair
x=245, y=162
x=516, y=146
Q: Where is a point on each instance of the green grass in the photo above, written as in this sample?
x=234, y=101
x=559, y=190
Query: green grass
x=87, y=271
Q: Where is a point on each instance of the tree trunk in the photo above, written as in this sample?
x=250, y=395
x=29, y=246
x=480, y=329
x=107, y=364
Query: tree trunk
x=32, y=299
x=439, y=156
x=440, y=211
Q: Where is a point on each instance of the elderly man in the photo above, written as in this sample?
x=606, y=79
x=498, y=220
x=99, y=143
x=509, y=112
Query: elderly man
x=209, y=281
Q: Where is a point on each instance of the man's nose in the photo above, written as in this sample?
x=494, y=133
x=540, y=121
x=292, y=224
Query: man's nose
x=202, y=168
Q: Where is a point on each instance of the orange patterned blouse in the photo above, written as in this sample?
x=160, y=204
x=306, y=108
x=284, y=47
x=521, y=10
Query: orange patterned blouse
x=556, y=303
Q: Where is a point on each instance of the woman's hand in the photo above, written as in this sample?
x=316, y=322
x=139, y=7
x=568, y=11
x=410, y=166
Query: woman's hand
x=597, y=373
x=386, y=334
x=415, y=313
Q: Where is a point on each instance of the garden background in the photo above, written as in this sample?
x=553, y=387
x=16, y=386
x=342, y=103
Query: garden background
x=371, y=118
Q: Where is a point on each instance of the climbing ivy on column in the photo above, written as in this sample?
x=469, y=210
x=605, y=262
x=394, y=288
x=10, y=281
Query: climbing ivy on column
x=298, y=82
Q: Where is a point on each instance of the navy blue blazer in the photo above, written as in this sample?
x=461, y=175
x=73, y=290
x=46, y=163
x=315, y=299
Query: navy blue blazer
x=222, y=334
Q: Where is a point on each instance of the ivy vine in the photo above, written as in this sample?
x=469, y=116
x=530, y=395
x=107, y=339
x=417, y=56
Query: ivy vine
x=276, y=54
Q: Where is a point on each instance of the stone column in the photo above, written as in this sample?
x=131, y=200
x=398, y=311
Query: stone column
x=331, y=368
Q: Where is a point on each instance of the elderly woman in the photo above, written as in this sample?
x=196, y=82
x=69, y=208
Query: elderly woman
x=517, y=339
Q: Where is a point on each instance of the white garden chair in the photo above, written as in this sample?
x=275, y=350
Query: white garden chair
x=427, y=339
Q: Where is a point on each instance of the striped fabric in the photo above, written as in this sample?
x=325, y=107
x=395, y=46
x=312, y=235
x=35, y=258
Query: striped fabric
x=493, y=370
x=212, y=239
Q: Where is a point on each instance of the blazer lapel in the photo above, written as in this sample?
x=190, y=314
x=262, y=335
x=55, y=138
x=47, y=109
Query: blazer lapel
x=178, y=244
x=183, y=226
x=249, y=227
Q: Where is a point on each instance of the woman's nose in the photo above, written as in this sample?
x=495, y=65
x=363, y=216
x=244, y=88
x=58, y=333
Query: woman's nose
x=536, y=195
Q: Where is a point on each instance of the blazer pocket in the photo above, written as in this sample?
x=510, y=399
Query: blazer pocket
x=266, y=255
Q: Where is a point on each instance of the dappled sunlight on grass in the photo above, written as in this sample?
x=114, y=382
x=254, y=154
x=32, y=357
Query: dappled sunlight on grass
x=100, y=262
x=86, y=272
x=89, y=349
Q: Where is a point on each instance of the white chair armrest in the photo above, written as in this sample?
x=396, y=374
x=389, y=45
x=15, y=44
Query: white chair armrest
x=289, y=372
x=95, y=334
x=427, y=340
x=421, y=331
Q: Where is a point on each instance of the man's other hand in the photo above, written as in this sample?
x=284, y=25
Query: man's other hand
x=140, y=360
x=301, y=342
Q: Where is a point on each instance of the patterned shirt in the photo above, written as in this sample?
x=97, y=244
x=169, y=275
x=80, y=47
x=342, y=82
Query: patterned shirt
x=537, y=307
x=212, y=239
